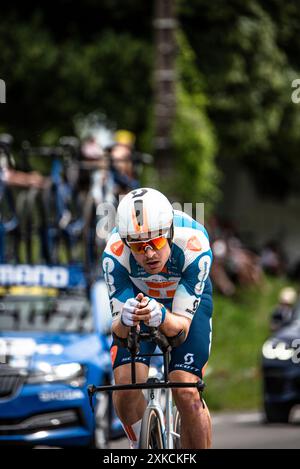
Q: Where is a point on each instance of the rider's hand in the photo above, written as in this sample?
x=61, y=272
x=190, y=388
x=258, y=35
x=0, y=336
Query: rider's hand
x=127, y=316
x=150, y=312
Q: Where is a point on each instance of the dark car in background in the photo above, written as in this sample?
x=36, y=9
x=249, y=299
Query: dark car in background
x=281, y=371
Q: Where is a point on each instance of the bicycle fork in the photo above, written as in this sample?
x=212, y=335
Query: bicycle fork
x=167, y=419
x=154, y=401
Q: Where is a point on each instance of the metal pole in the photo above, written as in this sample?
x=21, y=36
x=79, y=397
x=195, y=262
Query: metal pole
x=169, y=404
x=164, y=81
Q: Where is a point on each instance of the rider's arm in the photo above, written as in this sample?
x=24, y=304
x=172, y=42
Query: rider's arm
x=120, y=289
x=191, y=287
x=119, y=329
x=173, y=324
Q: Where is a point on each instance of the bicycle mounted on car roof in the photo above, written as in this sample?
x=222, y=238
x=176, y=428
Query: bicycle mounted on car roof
x=59, y=205
x=41, y=212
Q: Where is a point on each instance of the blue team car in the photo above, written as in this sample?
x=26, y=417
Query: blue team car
x=53, y=343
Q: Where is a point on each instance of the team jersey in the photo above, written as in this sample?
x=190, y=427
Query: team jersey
x=181, y=285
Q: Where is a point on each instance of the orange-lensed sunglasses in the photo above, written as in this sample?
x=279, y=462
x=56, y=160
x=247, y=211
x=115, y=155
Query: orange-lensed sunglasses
x=155, y=243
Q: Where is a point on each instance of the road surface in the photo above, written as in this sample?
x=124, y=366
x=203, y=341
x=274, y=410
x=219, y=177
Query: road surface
x=246, y=430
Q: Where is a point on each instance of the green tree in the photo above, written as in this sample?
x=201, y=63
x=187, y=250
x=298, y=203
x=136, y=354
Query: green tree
x=51, y=76
x=242, y=52
x=196, y=175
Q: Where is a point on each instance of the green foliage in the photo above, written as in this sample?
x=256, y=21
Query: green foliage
x=235, y=73
x=196, y=176
x=50, y=82
x=245, y=51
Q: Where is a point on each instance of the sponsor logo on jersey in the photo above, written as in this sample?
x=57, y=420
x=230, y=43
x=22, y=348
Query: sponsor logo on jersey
x=194, y=244
x=195, y=306
x=204, y=266
x=188, y=359
x=156, y=286
x=186, y=367
x=117, y=248
x=160, y=284
x=113, y=354
x=108, y=267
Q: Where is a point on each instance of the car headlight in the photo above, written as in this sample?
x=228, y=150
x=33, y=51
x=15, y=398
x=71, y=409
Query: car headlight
x=280, y=350
x=71, y=373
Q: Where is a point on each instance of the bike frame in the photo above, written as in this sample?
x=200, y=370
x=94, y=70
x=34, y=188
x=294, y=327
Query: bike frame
x=168, y=430
x=168, y=422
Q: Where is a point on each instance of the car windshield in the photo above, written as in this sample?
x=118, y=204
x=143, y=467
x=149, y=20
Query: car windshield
x=46, y=311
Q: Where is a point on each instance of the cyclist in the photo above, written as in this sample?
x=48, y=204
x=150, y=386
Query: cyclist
x=284, y=312
x=156, y=266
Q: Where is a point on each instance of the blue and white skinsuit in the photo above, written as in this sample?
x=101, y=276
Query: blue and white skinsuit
x=184, y=287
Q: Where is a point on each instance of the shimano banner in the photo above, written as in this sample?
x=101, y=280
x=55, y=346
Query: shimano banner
x=42, y=275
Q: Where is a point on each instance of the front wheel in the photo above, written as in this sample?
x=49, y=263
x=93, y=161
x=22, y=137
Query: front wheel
x=102, y=420
x=151, y=436
x=177, y=428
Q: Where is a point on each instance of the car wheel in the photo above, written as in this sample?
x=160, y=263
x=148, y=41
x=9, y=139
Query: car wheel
x=277, y=413
x=102, y=420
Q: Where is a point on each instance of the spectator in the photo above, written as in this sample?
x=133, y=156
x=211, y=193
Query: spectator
x=219, y=274
x=233, y=263
x=91, y=150
x=284, y=312
x=272, y=259
x=121, y=162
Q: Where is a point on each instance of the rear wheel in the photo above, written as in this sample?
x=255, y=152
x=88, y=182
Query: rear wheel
x=151, y=430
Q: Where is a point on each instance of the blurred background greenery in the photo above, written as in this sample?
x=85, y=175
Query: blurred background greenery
x=236, y=61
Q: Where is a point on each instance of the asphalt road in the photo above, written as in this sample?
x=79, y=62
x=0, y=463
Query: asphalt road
x=247, y=430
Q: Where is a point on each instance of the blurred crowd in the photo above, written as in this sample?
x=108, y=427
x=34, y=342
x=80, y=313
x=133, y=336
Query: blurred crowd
x=110, y=167
x=117, y=158
x=64, y=211
x=234, y=264
x=237, y=264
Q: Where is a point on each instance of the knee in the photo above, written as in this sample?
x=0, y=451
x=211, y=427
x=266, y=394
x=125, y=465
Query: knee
x=187, y=399
x=125, y=397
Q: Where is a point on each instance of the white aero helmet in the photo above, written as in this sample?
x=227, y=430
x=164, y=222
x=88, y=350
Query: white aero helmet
x=143, y=214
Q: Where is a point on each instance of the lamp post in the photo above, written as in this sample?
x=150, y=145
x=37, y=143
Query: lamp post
x=164, y=82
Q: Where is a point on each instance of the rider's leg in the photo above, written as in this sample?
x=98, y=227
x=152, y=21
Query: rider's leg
x=130, y=405
x=196, y=432
x=187, y=364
